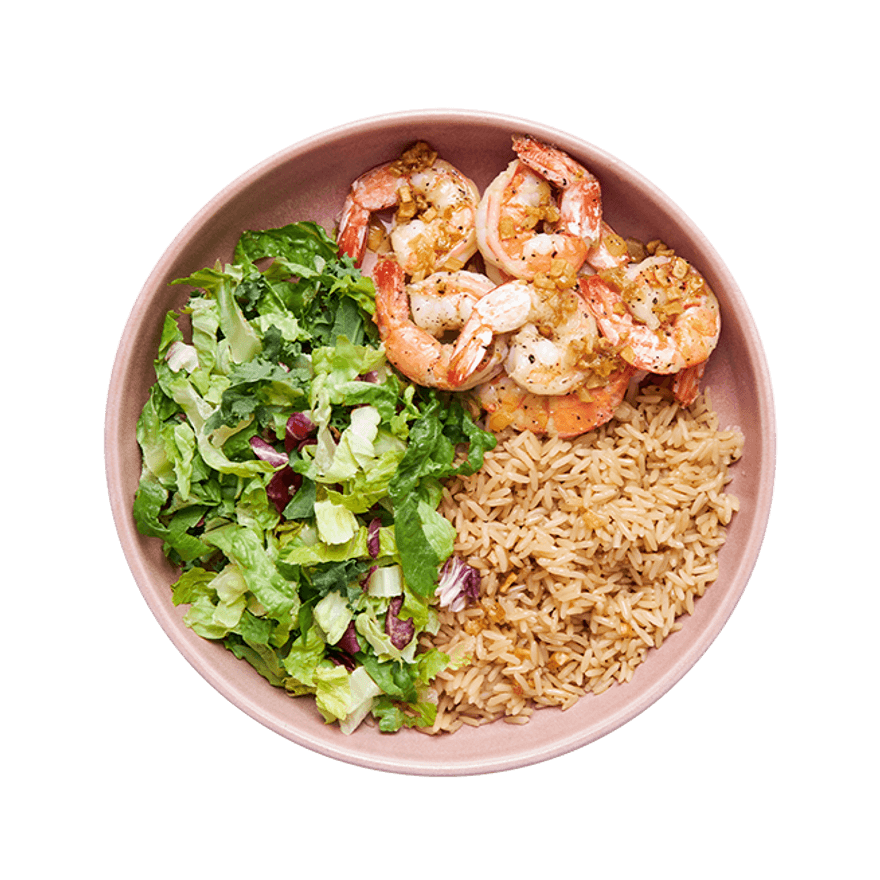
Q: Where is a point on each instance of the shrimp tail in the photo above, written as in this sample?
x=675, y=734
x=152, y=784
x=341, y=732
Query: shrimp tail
x=497, y=313
x=686, y=383
x=390, y=296
x=374, y=190
x=601, y=301
x=353, y=226
x=580, y=203
x=470, y=351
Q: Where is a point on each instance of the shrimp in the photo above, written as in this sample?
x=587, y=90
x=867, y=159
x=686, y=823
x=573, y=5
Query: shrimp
x=553, y=342
x=660, y=312
x=522, y=230
x=434, y=226
x=508, y=405
x=510, y=224
x=609, y=251
x=686, y=383
x=442, y=302
x=580, y=199
x=411, y=348
x=580, y=203
x=683, y=386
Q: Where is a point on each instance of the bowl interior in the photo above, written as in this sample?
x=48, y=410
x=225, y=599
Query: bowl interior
x=308, y=182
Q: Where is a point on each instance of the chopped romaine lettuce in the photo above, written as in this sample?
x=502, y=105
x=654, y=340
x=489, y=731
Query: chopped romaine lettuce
x=294, y=477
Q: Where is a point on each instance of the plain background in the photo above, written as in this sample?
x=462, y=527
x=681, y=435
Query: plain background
x=756, y=118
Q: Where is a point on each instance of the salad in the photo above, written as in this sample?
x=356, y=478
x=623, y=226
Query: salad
x=294, y=478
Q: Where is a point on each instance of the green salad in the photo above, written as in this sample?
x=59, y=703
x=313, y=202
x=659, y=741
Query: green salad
x=294, y=477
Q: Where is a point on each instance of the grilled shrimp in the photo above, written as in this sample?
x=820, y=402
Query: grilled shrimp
x=660, y=312
x=609, y=251
x=441, y=302
x=553, y=343
x=434, y=226
x=524, y=228
x=580, y=198
x=509, y=405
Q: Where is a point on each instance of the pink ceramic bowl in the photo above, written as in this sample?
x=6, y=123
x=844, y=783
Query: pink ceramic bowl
x=308, y=182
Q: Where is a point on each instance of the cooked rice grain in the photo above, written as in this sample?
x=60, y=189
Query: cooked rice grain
x=590, y=551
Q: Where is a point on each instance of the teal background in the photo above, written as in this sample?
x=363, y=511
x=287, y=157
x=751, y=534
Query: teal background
x=120, y=123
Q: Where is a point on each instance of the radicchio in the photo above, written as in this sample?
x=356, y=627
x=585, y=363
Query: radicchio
x=348, y=642
x=299, y=429
x=285, y=482
x=344, y=660
x=365, y=580
x=282, y=487
x=373, y=538
x=400, y=632
x=459, y=584
x=267, y=452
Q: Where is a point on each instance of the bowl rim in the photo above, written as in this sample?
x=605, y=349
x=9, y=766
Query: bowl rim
x=347, y=750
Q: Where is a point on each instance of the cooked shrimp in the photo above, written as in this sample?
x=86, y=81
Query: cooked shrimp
x=507, y=308
x=609, y=250
x=558, y=349
x=525, y=230
x=553, y=343
x=434, y=226
x=686, y=383
x=580, y=197
x=684, y=386
x=508, y=405
x=442, y=302
x=516, y=227
x=660, y=313
x=411, y=348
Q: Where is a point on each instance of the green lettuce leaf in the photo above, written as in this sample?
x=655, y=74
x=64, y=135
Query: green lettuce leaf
x=245, y=548
x=302, y=660
x=333, y=616
x=286, y=327
x=392, y=716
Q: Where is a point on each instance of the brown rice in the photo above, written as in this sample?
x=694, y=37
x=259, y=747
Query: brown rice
x=590, y=551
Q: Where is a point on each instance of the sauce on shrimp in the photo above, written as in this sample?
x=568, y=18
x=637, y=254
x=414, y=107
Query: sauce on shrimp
x=434, y=225
x=560, y=313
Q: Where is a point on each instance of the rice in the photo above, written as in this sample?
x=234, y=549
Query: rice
x=590, y=551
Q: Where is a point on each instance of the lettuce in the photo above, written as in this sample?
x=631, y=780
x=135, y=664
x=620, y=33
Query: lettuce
x=333, y=615
x=217, y=601
x=304, y=657
x=270, y=588
x=294, y=478
x=362, y=694
x=424, y=542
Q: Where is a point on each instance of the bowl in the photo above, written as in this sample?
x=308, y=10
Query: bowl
x=308, y=181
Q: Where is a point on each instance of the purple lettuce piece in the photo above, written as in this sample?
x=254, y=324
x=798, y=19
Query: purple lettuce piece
x=267, y=452
x=343, y=660
x=365, y=580
x=299, y=429
x=459, y=585
x=282, y=487
x=373, y=537
x=400, y=632
x=349, y=640
x=284, y=482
